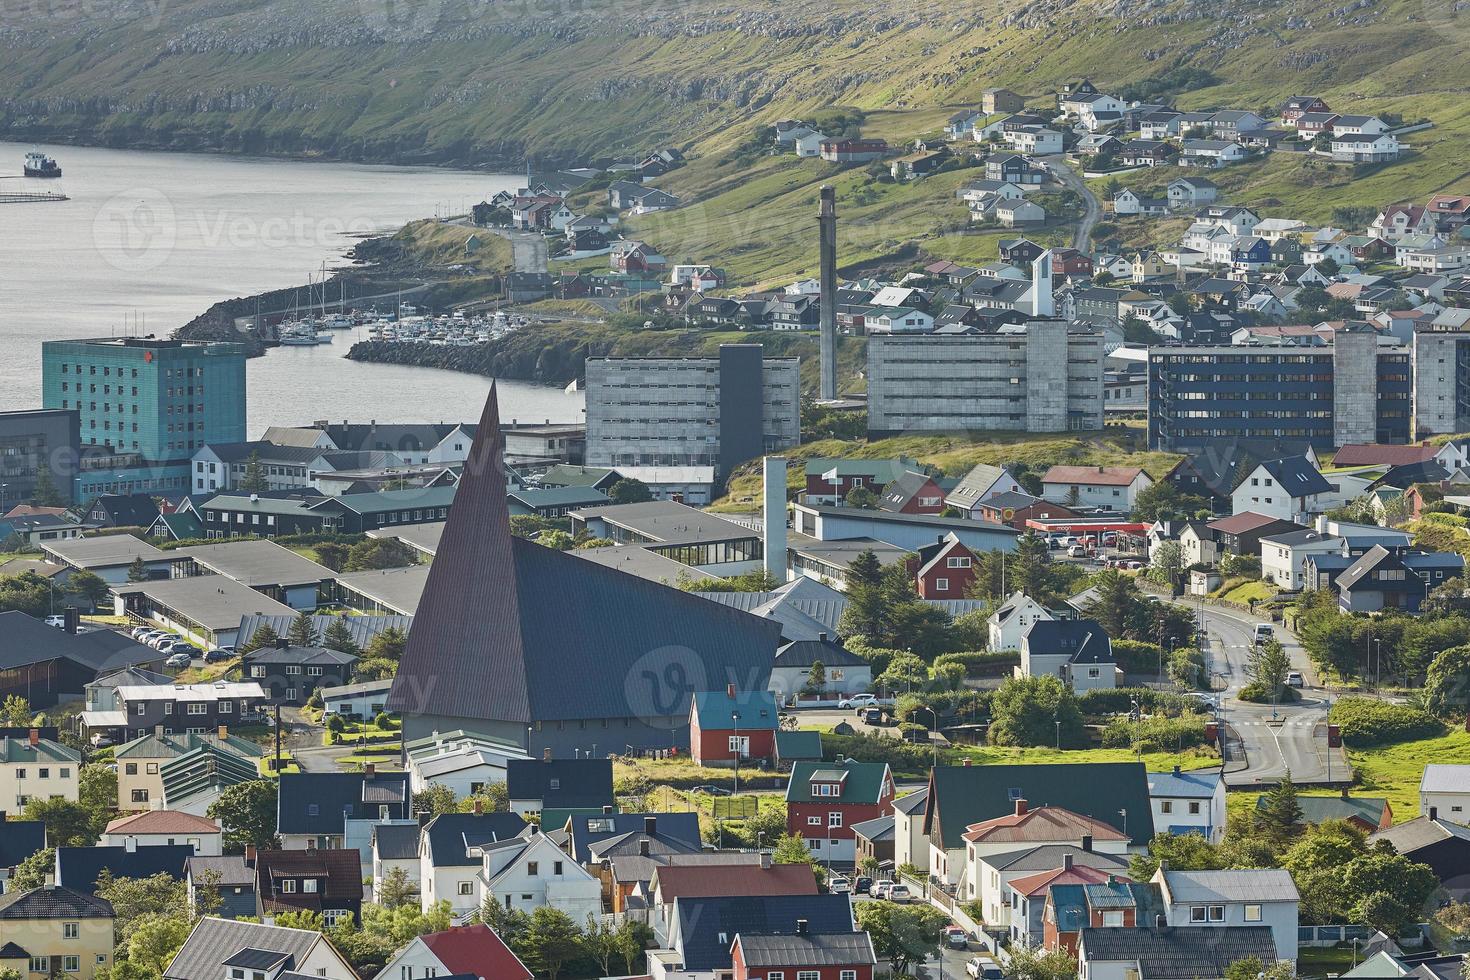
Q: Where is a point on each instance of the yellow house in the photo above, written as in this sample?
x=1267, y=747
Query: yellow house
x=37, y=768
x=55, y=931
x=1150, y=265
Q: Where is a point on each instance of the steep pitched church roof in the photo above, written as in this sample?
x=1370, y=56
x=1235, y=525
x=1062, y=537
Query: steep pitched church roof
x=508, y=630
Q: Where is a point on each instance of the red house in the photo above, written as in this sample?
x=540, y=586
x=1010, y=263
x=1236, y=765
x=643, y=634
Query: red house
x=825, y=799
x=1014, y=509
x=829, y=481
x=1068, y=263
x=725, y=726
x=809, y=955
x=1299, y=105
x=943, y=570
x=912, y=493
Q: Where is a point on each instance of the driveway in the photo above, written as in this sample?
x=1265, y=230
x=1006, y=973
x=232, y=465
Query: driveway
x=1092, y=212
x=1266, y=741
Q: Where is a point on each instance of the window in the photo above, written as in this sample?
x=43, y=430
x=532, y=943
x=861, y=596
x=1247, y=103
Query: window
x=1196, y=913
x=151, y=768
x=556, y=868
x=776, y=975
x=814, y=821
x=1112, y=920
x=257, y=670
x=1194, y=807
x=227, y=707
x=130, y=768
x=1217, y=913
x=808, y=975
x=293, y=668
x=308, y=885
x=40, y=964
x=1253, y=913
x=532, y=867
x=466, y=887
x=847, y=975
x=834, y=818
x=44, y=773
x=941, y=584
x=198, y=708
x=69, y=930
x=168, y=707
x=1167, y=806
x=140, y=796
x=332, y=917
x=71, y=964
x=288, y=886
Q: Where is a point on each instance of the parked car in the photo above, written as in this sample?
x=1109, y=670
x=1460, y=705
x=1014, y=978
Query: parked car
x=1206, y=700
x=839, y=885
x=56, y=621
x=157, y=642
x=984, y=968
x=858, y=701
x=956, y=938
x=1263, y=633
x=219, y=655
x=178, y=660
x=708, y=790
x=880, y=889
x=871, y=716
x=100, y=741
x=898, y=893
x=1076, y=551
x=862, y=884
x=1294, y=679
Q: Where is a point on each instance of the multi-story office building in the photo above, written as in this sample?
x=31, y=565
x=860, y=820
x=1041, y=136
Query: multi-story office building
x=145, y=406
x=692, y=411
x=1442, y=375
x=1042, y=376
x=1351, y=391
x=32, y=441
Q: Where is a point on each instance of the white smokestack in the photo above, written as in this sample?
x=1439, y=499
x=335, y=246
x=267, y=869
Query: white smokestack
x=1039, y=297
x=773, y=513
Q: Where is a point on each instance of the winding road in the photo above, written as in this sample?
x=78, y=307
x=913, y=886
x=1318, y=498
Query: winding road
x=1265, y=741
x=1092, y=214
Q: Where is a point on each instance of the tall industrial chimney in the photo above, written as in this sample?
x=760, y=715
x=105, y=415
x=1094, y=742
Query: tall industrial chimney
x=773, y=515
x=1042, y=303
x=827, y=225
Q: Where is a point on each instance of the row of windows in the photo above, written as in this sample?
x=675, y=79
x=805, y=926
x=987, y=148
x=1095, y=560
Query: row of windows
x=44, y=772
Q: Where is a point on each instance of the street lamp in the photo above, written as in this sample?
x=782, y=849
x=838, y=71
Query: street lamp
x=1059, y=734
x=1377, y=662
x=735, y=717
x=1124, y=814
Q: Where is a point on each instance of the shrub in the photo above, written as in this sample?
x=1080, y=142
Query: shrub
x=980, y=663
x=383, y=721
x=1105, y=701
x=1137, y=656
x=904, y=756
x=1156, y=734
x=963, y=703
x=335, y=723
x=1365, y=721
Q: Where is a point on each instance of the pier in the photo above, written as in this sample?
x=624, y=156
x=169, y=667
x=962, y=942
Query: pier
x=30, y=197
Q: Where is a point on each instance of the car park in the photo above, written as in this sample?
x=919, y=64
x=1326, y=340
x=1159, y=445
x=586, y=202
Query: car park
x=179, y=660
x=858, y=701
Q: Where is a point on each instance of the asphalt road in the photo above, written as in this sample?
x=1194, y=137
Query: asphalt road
x=1093, y=207
x=1266, y=741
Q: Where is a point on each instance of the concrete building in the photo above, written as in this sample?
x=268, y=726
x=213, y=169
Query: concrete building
x=1318, y=396
x=31, y=441
x=1045, y=378
x=1442, y=375
x=151, y=403
x=691, y=411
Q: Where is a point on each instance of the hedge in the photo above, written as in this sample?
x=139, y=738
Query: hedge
x=901, y=755
x=1156, y=734
x=1366, y=721
x=981, y=663
x=965, y=703
x=1137, y=656
x=1105, y=701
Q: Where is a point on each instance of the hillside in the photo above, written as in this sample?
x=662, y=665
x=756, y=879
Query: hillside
x=474, y=83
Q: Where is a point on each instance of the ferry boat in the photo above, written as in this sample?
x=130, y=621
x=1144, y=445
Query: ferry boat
x=40, y=165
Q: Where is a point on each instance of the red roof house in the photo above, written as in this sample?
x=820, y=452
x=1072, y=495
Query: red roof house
x=806, y=954
x=1371, y=454
x=475, y=950
x=943, y=570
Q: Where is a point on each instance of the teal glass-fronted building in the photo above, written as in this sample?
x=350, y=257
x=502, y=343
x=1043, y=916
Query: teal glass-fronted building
x=145, y=406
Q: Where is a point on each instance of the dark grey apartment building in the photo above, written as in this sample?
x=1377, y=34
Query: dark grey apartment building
x=34, y=439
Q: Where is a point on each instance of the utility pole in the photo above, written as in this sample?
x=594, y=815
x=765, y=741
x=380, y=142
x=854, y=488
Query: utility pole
x=278, y=739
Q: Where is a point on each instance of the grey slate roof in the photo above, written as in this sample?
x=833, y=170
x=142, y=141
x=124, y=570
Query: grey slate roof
x=231, y=868
x=449, y=836
x=703, y=921
x=1440, y=777
x=214, y=940
x=1179, y=953
x=396, y=841
x=814, y=949
x=1412, y=835
x=52, y=902
x=1297, y=476
x=30, y=641
x=1256, y=885
x=79, y=867
x=1045, y=857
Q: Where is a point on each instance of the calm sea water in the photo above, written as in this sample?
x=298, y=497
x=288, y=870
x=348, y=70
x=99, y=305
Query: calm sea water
x=149, y=240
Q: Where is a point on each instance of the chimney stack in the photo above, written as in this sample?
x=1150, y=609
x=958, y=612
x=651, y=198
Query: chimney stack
x=249, y=855
x=546, y=754
x=35, y=735
x=1176, y=770
x=650, y=826
x=369, y=769
x=827, y=229
x=607, y=809
x=479, y=807
x=1066, y=862
x=643, y=843
x=765, y=860
x=730, y=691
x=967, y=762
x=283, y=643
x=224, y=732
x=1020, y=808
x=1087, y=843
x=773, y=516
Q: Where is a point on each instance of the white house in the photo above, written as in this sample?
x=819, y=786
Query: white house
x=1188, y=803
x=1113, y=487
x=1222, y=899
x=1283, y=556
x=1366, y=149
x=910, y=843
x=809, y=145
x=1077, y=651
x=1211, y=153
x=1037, y=142
x=1012, y=619
x=473, y=950
x=1445, y=788
x=1286, y=489
x=452, y=849
x=1359, y=126
x=466, y=762
x=902, y=319
x=983, y=481
x=153, y=827
x=395, y=847
x=529, y=872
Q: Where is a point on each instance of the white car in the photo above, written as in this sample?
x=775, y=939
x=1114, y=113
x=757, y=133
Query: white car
x=898, y=893
x=880, y=889
x=178, y=660
x=1294, y=679
x=839, y=885
x=858, y=701
x=1263, y=633
x=983, y=968
x=56, y=621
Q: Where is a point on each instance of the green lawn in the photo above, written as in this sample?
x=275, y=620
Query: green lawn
x=1246, y=591
x=1394, y=771
x=1318, y=961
